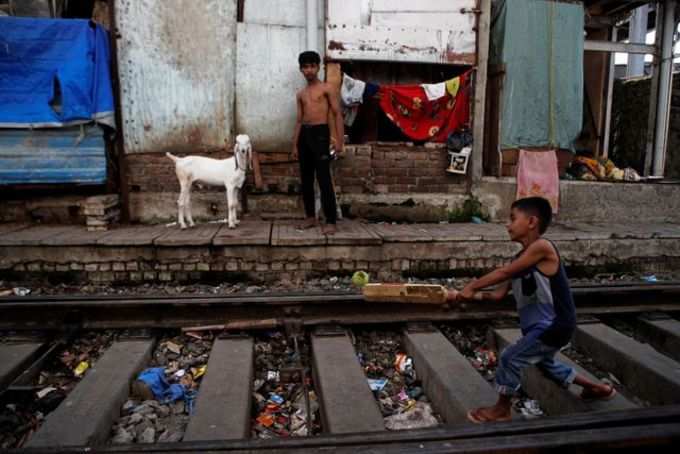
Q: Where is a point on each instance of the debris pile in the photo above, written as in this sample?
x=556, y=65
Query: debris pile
x=283, y=394
x=162, y=397
x=392, y=378
x=24, y=411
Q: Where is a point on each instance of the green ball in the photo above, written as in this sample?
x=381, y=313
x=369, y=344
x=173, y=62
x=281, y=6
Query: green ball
x=360, y=278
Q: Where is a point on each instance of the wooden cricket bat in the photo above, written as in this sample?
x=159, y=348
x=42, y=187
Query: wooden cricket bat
x=405, y=293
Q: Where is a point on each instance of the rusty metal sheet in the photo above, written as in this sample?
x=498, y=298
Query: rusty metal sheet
x=430, y=31
x=176, y=63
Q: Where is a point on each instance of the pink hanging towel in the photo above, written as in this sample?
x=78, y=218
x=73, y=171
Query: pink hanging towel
x=537, y=175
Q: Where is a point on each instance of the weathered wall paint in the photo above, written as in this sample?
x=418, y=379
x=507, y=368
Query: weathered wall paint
x=267, y=76
x=427, y=31
x=176, y=62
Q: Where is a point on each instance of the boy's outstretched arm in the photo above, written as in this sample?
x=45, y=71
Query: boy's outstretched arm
x=532, y=255
x=496, y=294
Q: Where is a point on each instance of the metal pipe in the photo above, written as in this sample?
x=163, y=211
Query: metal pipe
x=312, y=25
x=665, y=81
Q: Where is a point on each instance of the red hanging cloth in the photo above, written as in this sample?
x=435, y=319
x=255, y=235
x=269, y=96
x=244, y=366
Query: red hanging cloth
x=407, y=107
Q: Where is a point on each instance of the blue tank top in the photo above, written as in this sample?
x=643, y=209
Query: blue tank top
x=545, y=304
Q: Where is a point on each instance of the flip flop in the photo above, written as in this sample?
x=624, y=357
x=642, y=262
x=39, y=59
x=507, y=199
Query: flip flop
x=588, y=397
x=474, y=418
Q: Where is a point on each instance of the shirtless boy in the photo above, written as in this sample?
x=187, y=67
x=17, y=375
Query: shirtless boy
x=311, y=140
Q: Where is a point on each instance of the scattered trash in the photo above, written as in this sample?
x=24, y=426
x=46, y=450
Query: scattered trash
x=171, y=224
x=45, y=391
x=418, y=417
x=528, y=408
x=477, y=220
x=21, y=291
x=377, y=385
x=650, y=278
x=174, y=348
x=81, y=368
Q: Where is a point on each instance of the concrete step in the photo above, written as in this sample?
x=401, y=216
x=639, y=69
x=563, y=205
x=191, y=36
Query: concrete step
x=347, y=403
x=554, y=399
x=663, y=334
x=85, y=417
x=222, y=409
x=14, y=358
x=646, y=372
x=452, y=384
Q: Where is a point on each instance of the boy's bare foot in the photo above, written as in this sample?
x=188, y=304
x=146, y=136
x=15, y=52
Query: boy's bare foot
x=489, y=414
x=604, y=392
x=308, y=223
x=329, y=229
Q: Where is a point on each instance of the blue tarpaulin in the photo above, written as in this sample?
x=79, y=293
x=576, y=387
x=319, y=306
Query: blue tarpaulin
x=53, y=73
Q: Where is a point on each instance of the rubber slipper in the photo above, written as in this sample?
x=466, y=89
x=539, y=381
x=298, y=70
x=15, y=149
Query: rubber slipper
x=590, y=397
x=473, y=417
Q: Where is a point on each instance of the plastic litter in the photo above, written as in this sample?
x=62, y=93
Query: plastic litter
x=21, y=291
x=377, y=384
x=650, y=278
x=81, y=368
x=418, y=417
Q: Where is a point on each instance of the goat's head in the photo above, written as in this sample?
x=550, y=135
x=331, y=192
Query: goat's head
x=243, y=152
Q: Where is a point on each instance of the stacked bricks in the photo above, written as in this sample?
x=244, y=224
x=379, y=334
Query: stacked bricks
x=100, y=211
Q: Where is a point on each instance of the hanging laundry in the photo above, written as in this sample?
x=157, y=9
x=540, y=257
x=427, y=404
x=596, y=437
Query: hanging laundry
x=409, y=109
x=352, y=90
x=370, y=90
x=452, y=86
x=538, y=176
x=434, y=91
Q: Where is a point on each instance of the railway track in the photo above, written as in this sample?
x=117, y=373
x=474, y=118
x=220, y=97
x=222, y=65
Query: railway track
x=629, y=332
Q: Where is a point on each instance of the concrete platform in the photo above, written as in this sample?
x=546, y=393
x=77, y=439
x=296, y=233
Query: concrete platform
x=272, y=250
x=347, y=404
x=222, y=409
x=451, y=383
x=646, y=372
x=14, y=358
x=663, y=334
x=84, y=418
x=552, y=397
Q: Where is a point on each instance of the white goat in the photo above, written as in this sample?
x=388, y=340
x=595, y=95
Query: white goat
x=230, y=173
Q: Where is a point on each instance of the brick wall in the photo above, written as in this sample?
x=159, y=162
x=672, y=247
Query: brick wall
x=369, y=169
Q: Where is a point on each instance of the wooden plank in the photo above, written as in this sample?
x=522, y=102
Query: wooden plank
x=453, y=232
x=248, y=232
x=480, y=81
x=401, y=233
x=409, y=6
x=12, y=227
x=31, y=236
x=354, y=233
x=75, y=235
x=286, y=233
x=141, y=235
x=200, y=235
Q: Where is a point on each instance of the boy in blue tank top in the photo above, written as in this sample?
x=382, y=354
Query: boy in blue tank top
x=545, y=305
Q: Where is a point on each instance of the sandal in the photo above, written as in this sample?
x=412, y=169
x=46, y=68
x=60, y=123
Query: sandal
x=588, y=395
x=476, y=417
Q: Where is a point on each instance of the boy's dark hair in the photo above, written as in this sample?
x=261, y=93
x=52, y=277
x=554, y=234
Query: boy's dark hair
x=309, y=57
x=536, y=206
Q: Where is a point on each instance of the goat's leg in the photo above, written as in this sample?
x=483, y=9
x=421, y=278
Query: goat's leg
x=180, y=204
x=231, y=207
x=238, y=209
x=187, y=208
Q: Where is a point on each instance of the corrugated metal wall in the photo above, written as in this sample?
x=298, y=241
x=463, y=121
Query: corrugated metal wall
x=176, y=62
x=267, y=76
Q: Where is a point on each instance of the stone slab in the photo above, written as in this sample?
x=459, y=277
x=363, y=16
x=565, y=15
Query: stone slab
x=199, y=235
x=353, y=233
x=12, y=227
x=453, y=386
x=247, y=233
x=646, y=372
x=85, y=417
x=222, y=410
x=554, y=399
x=32, y=236
x=139, y=235
x=347, y=403
x=75, y=236
x=286, y=233
x=664, y=334
x=453, y=232
x=14, y=358
x=402, y=233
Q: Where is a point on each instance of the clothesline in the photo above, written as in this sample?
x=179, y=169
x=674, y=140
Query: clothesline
x=423, y=112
